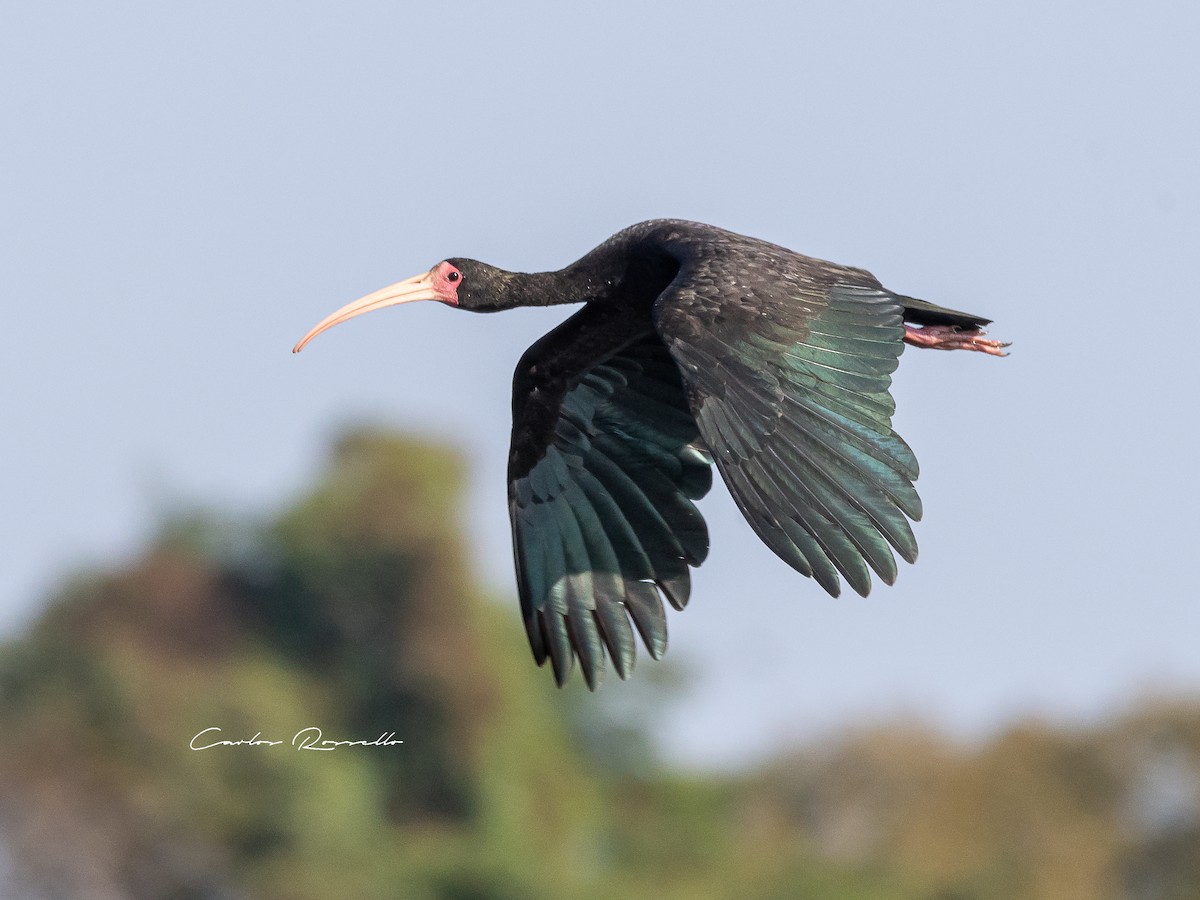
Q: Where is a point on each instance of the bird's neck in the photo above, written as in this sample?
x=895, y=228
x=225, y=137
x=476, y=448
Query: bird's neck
x=623, y=270
x=584, y=281
x=620, y=270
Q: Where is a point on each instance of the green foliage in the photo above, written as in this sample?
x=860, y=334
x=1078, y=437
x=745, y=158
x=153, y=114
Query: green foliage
x=356, y=611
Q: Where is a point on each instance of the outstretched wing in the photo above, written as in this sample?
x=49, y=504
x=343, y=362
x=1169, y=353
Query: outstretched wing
x=787, y=364
x=602, y=475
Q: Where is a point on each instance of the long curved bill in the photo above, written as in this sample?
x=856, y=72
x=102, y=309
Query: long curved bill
x=419, y=287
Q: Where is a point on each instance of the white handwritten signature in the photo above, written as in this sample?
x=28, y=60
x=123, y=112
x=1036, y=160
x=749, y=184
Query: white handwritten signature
x=305, y=739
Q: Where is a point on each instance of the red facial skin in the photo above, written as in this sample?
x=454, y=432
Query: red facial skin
x=446, y=279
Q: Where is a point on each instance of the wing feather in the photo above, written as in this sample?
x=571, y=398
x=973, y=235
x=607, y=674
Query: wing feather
x=602, y=476
x=788, y=377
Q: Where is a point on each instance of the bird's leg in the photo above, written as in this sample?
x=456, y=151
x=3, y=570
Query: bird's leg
x=952, y=337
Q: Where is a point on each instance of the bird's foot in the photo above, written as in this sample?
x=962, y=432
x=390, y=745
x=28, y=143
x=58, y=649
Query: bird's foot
x=952, y=337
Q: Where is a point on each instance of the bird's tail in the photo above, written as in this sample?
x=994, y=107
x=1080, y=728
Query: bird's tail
x=922, y=312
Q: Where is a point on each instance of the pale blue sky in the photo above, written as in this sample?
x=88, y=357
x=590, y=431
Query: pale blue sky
x=185, y=190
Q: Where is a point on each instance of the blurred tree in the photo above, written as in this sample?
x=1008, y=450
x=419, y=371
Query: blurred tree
x=356, y=611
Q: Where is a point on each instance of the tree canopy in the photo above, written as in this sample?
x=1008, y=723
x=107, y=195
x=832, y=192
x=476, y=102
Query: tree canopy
x=356, y=610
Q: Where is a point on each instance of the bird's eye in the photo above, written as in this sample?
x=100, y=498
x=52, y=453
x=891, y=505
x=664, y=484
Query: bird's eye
x=452, y=276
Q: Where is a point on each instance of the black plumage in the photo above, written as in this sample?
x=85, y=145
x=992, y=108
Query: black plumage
x=695, y=346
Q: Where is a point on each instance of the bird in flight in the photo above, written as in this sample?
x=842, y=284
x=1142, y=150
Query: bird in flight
x=695, y=346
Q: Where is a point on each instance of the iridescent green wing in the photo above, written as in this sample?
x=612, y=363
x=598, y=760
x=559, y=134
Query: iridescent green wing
x=602, y=475
x=787, y=371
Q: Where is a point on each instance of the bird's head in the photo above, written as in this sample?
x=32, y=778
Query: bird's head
x=463, y=283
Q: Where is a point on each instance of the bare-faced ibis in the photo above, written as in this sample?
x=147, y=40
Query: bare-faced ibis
x=694, y=345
